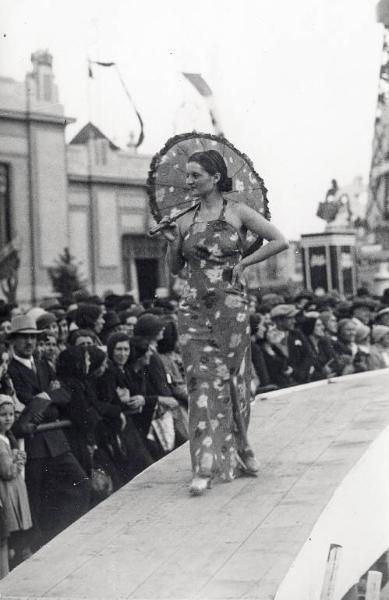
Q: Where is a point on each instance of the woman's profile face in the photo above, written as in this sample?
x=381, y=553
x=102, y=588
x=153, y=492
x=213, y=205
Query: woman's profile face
x=332, y=324
x=199, y=181
x=318, y=330
x=272, y=334
x=385, y=341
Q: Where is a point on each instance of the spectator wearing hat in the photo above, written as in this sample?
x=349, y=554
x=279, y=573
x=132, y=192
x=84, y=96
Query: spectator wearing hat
x=63, y=328
x=82, y=337
x=303, y=299
x=47, y=351
x=90, y=317
x=58, y=487
x=261, y=378
x=362, y=311
x=48, y=323
x=382, y=316
x=330, y=323
x=72, y=368
x=362, y=339
x=343, y=310
x=115, y=387
x=325, y=364
x=137, y=373
x=346, y=349
x=379, y=349
x=112, y=324
x=49, y=304
x=150, y=327
x=293, y=344
x=128, y=319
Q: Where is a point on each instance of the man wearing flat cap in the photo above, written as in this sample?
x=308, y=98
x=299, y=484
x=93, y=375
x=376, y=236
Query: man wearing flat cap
x=294, y=344
x=58, y=487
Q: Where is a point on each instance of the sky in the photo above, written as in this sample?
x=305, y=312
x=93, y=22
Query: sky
x=295, y=83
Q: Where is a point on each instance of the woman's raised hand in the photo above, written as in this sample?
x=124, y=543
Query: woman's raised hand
x=170, y=231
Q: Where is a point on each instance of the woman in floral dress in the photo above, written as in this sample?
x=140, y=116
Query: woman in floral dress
x=214, y=319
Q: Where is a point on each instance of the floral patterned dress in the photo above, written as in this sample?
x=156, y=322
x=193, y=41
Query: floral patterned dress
x=215, y=343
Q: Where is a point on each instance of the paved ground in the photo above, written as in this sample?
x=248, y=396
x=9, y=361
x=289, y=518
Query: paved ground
x=152, y=541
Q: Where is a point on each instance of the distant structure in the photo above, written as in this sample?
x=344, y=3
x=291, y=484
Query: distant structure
x=374, y=254
x=377, y=213
x=89, y=195
x=344, y=206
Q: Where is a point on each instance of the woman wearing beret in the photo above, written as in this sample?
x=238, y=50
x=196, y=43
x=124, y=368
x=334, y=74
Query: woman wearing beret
x=213, y=318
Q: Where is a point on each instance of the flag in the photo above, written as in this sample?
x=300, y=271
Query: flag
x=9, y=258
x=205, y=91
x=199, y=83
x=113, y=64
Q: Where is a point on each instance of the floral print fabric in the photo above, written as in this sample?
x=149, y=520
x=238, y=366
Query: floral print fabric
x=215, y=344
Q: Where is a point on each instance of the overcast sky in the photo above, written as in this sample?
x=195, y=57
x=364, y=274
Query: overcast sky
x=295, y=82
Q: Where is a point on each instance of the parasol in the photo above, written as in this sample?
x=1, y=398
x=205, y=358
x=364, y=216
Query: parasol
x=166, y=184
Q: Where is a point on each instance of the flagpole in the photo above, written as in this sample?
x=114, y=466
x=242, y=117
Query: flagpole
x=141, y=135
x=92, y=237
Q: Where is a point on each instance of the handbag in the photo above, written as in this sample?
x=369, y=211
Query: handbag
x=162, y=427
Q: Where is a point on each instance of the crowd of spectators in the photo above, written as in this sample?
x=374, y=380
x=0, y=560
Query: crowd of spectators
x=93, y=392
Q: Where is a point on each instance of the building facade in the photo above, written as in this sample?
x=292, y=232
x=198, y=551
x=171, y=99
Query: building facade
x=88, y=196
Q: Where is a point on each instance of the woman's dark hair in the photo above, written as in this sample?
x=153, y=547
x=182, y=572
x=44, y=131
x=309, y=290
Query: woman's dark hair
x=139, y=346
x=114, y=339
x=71, y=363
x=97, y=357
x=213, y=162
x=169, y=340
x=87, y=315
x=307, y=325
x=77, y=333
x=254, y=319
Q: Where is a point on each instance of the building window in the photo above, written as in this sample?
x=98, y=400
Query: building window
x=5, y=221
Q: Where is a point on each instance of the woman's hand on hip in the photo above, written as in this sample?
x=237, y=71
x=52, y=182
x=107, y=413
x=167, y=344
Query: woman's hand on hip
x=238, y=278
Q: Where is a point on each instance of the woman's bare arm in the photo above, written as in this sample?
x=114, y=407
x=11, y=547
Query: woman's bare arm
x=257, y=224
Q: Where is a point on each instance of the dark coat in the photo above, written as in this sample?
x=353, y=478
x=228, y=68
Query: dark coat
x=324, y=355
x=300, y=356
x=259, y=364
x=28, y=384
x=277, y=365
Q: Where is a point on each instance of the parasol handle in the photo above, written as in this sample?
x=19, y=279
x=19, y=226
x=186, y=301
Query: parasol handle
x=166, y=224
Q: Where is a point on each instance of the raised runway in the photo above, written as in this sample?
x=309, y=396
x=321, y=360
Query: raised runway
x=323, y=480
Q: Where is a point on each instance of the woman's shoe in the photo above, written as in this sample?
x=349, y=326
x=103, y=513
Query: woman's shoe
x=252, y=466
x=249, y=465
x=199, y=486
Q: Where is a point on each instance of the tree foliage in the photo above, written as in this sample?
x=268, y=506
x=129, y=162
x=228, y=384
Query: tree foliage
x=65, y=275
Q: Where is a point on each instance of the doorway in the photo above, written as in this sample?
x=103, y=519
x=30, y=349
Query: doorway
x=143, y=265
x=147, y=274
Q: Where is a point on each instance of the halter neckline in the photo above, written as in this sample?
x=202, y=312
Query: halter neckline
x=219, y=218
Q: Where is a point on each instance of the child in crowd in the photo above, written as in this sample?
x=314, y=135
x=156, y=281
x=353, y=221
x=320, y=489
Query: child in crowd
x=16, y=516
